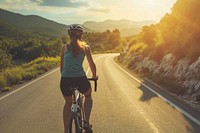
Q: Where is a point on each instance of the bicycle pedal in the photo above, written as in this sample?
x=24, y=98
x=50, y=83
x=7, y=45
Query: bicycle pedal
x=88, y=129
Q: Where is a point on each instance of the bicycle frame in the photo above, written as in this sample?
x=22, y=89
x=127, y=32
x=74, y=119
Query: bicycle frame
x=76, y=96
x=77, y=114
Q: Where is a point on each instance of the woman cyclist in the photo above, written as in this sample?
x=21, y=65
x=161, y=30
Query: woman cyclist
x=72, y=73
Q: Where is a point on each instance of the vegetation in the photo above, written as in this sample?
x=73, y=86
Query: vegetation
x=177, y=33
x=126, y=27
x=27, y=71
x=12, y=49
x=41, y=55
x=25, y=54
x=30, y=46
x=108, y=41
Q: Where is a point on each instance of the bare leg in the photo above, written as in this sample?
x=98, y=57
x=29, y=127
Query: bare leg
x=66, y=113
x=88, y=105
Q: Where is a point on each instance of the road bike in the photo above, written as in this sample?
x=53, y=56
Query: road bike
x=77, y=117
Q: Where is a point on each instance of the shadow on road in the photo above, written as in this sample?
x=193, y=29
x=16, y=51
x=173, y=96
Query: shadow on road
x=147, y=95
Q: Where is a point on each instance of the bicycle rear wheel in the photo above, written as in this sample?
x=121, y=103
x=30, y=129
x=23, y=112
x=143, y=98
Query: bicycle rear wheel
x=76, y=125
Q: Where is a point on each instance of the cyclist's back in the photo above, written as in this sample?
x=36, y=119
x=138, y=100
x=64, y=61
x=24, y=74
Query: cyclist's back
x=73, y=63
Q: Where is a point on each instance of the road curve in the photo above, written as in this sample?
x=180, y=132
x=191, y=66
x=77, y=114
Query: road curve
x=121, y=105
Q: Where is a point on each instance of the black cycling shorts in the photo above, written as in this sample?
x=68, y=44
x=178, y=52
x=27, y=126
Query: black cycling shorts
x=67, y=83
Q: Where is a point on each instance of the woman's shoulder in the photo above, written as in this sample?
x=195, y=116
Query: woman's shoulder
x=85, y=47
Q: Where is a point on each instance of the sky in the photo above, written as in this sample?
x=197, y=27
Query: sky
x=79, y=11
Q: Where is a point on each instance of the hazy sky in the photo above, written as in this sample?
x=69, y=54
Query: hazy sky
x=79, y=11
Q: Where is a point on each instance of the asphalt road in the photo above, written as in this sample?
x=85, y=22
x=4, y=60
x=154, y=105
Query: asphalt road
x=121, y=105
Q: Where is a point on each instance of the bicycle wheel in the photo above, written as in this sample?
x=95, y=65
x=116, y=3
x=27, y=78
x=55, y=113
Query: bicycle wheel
x=75, y=125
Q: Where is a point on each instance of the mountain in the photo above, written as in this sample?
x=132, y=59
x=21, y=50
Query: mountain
x=32, y=24
x=14, y=23
x=126, y=27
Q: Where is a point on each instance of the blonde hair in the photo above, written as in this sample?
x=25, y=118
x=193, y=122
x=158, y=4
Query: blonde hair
x=77, y=46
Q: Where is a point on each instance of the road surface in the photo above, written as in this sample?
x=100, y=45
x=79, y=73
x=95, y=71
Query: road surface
x=121, y=105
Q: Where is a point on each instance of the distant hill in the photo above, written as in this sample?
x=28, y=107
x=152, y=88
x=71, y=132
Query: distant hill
x=32, y=24
x=126, y=27
x=11, y=31
x=14, y=23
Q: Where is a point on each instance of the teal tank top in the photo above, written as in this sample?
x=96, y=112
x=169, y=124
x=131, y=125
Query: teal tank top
x=73, y=65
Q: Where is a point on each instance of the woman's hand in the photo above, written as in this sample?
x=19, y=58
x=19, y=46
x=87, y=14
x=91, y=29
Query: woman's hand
x=95, y=77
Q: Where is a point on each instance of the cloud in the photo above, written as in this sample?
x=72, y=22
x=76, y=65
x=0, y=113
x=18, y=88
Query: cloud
x=47, y=7
x=62, y=3
x=99, y=10
x=18, y=4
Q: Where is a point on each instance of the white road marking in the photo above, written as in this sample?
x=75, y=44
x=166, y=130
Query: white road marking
x=150, y=123
x=166, y=100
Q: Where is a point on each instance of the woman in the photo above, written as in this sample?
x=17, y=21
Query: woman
x=72, y=73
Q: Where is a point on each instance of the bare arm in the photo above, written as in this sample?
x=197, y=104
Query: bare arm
x=64, y=49
x=61, y=61
x=91, y=62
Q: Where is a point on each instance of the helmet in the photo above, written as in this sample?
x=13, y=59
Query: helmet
x=76, y=29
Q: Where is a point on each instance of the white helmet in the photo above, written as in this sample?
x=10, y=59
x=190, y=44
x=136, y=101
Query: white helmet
x=76, y=28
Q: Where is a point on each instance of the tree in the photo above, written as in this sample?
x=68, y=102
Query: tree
x=6, y=60
x=149, y=34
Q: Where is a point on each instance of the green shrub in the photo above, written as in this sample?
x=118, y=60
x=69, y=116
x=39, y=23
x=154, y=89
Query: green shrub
x=3, y=81
x=44, y=67
x=13, y=75
x=29, y=75
x=39, y=72
x=6, y=89
x=27, y=71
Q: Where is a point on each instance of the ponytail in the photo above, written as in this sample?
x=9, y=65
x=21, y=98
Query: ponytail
x=75, y=43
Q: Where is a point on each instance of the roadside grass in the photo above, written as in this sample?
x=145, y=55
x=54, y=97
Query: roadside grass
x=26, y=71
x=5, y=89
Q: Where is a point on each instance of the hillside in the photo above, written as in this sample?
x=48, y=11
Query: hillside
x=25, y=38
x=168, y=52
x=33, y=24
x=126, y=27
x=11, y=31
x=44, y=27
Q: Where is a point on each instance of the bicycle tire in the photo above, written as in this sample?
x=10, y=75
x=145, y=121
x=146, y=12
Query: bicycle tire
x=76, y=124
x=71, y=123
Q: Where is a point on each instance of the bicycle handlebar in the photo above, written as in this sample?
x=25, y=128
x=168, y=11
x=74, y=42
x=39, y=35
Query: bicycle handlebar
x=95, y=83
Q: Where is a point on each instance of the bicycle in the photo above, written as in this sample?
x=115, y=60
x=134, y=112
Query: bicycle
x=77, y=117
